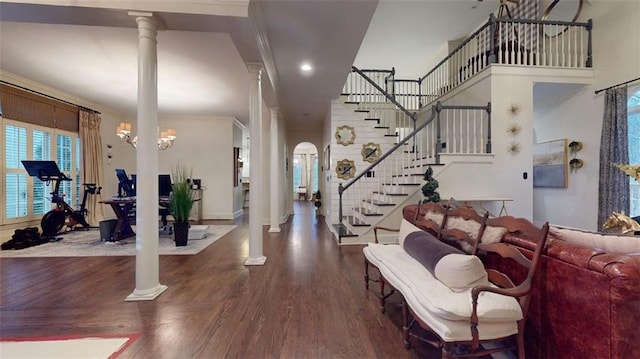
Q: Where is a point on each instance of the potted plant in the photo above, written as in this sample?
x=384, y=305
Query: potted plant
x=180, y=203
x=317, y=200
x=429, y=188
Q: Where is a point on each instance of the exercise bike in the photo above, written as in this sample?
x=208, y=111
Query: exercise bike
x=53, y=221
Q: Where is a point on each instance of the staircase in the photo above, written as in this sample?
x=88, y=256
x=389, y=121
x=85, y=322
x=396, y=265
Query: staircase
x=410, y=142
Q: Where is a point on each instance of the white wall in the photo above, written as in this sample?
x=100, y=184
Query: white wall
x=577, y=114
x=574, y=116
x=206, y=145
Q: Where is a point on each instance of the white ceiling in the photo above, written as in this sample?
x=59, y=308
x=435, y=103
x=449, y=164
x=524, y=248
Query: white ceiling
x=409, y=35
x=92, y=53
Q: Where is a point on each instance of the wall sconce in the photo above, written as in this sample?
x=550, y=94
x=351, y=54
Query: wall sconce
x=109, y=155
x=575, y=163
x=165, y=138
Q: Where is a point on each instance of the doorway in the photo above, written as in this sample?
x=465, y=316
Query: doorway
x=305, y=173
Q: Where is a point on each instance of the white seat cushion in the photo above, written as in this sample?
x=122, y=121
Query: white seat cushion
x=411, y=277
x=448, y=330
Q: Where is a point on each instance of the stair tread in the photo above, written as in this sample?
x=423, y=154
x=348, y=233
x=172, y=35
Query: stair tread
x=363, y=111
x=372, y=119
x=343, y=231
x=391, y=194
x=352, y=102
x=366, y=212
x=402, y=184
x=379, y=203
x=382, y=127
x=354, y=221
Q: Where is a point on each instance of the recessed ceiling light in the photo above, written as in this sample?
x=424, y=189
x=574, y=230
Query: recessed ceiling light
x=306, y=67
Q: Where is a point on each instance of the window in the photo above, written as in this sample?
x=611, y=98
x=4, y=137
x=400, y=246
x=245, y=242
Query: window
x=633, y=123
x=301, y=162
x=41, y=152
x=15, y=139
x=28, y=198
x=297, y=172
x=314, y=175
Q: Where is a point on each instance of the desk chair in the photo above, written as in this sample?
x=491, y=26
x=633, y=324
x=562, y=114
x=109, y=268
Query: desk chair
x=164, y=212
x=164, y=193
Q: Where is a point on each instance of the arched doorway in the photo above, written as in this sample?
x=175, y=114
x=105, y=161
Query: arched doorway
x=305, y=173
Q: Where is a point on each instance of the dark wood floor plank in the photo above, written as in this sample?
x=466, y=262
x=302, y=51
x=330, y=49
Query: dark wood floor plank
x=307, y=301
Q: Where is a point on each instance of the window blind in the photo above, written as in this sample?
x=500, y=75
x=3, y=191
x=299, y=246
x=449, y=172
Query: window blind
x=24, y=106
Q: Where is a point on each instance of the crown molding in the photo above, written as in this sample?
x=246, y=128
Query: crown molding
x=236, y=8
x=239, y=124
x=262, y=40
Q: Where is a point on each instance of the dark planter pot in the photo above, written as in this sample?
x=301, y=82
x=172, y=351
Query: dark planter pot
x=181, y=233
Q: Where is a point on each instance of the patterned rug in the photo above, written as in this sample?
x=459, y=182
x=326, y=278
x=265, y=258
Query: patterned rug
x=88, y=244
x=68, y=346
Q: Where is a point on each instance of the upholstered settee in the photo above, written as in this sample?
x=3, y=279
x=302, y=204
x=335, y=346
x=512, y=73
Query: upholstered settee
x=585, y=301
x=468, y=310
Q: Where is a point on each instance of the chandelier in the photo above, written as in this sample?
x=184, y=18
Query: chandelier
x=165, y=138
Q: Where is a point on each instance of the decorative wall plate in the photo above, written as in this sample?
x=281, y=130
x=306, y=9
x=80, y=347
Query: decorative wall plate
x=345, y=169
x=371, y=152
x=345, y=135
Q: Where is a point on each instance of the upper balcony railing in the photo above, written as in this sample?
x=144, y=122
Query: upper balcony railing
x=516, y=42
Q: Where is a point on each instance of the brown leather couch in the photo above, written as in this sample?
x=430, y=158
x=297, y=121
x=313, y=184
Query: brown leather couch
x=585, y=302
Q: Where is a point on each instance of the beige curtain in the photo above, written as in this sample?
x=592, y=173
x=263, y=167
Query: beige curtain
x=92, y=171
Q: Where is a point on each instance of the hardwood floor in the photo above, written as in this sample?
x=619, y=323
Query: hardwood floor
x=307, y=301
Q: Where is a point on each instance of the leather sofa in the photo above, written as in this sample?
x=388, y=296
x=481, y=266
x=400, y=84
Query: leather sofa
x=585, y=302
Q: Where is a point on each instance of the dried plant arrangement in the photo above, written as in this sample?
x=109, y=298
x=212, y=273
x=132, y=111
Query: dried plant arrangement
x=514, y=129
x=513, y=148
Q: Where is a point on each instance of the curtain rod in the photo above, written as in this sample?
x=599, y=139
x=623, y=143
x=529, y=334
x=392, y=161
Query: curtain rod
x=49, y=96
x=620, y=84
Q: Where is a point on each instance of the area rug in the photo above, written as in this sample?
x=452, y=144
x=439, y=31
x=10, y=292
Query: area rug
x=88, y=244
x=68, y=346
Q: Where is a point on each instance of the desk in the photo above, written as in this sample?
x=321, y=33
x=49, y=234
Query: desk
x=196, y=210
x=480, y=200
x=302, y=193
x=122, y=208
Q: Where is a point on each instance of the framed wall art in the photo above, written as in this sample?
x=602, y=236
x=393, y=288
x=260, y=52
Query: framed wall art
x=550, y=167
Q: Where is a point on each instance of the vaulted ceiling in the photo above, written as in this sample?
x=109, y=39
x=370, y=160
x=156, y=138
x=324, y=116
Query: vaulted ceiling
x=91, y=53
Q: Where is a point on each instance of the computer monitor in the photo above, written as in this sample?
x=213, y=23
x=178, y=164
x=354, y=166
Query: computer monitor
x=125, y=185
x=164, y=185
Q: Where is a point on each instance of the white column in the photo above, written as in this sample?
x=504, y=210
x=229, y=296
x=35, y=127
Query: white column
x=274, y=184
x=256, y=256
x=148, y=286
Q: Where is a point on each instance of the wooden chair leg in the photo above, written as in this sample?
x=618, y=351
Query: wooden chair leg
x=366, y=273
x=382, y=296
x=405, y=326
x=447, y=349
